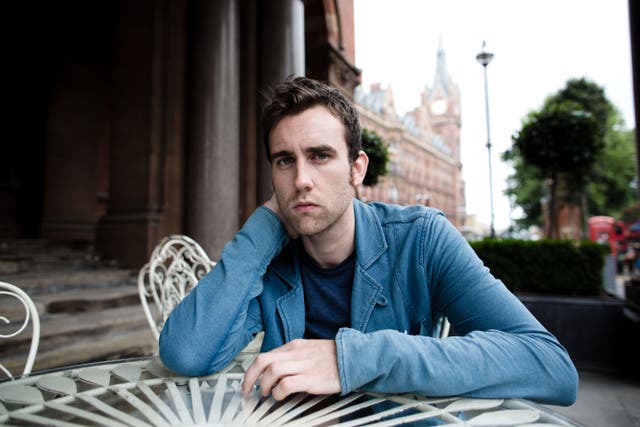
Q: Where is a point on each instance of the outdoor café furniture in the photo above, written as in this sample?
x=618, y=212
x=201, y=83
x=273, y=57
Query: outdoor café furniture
x=10, y=329
x=176, y=265
x=141, y=392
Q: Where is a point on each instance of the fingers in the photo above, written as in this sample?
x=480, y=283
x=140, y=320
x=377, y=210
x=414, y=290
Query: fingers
x=272, y=204
x=257, y=368
x=251, y=375
x=269, y=368
x=278, y=375
x=301, y=365
x=288, y=385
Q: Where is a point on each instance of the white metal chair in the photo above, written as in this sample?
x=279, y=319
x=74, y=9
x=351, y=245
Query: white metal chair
x=31, y=313
x=176, y=265
x=445, y=328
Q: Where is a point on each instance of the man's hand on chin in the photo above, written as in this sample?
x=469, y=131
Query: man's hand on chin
x=309, y=366
x=272, y=204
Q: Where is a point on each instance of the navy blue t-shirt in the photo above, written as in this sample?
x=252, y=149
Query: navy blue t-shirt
x=327, y=296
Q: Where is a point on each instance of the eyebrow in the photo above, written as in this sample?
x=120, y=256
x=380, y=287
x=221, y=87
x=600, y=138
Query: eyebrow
x=312, y=150
x=321, y=149
x=279, y=154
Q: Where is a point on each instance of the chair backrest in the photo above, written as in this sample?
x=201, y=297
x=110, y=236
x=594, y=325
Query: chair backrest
x=176, y=265
x=441, y=327
x=31, y=313
x=445, y=328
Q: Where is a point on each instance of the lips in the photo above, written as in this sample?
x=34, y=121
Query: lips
x=304, y=206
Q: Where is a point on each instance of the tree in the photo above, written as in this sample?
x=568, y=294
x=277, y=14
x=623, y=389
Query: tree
x=526, y=187
x=612, y=187
x=591, y=98
x=561, y=141
x=573, y=150
x=378, y=152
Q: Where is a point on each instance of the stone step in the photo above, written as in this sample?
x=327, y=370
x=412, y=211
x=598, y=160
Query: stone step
x=43, y=246
x=78, y=338
x=89, y=309
x=13, y=264
x=60, y=328
x=35, y=283
x=110, y=346
x=87, y=300
x=29, y=255
x=73, y=292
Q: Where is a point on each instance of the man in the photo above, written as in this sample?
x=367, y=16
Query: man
x=349, y=295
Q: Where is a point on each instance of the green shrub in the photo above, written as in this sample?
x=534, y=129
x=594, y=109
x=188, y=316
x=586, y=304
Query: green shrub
x=547, y=266
x=379, y=156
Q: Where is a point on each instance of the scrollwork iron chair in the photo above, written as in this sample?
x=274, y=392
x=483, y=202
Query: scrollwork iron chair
x=445, y=328
x=176, y=265
x=31, y=313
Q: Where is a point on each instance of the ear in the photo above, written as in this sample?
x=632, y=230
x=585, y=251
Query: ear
x=359, y=168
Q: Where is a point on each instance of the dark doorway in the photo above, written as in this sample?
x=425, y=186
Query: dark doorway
x=57, y=72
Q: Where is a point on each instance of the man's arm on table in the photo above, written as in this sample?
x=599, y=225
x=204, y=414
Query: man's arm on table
x=503, y=351
x=210, y=325
x=506, y=352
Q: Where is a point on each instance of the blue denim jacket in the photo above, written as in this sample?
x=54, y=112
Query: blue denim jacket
x=412, y=267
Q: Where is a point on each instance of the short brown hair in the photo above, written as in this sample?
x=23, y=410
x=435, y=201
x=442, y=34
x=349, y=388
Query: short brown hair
x=297, y=94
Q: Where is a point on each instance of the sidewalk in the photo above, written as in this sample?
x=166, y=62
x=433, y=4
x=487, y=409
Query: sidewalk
x=604, y=401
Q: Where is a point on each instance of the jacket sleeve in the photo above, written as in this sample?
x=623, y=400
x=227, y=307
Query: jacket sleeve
x=211, y=325
x=501, y=351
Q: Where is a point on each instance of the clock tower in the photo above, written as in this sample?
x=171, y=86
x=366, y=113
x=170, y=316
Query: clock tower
x=424, y=143
x=442, y=101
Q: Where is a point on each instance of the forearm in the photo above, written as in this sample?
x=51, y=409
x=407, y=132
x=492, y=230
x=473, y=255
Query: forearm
x=209, y=326
x=502, y=349
x=482, y=364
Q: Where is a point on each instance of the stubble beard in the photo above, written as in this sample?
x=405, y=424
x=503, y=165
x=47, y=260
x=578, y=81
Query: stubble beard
x=313, y=224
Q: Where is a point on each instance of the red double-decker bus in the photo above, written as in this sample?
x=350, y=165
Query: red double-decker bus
x=622, y=235
x=605, y=229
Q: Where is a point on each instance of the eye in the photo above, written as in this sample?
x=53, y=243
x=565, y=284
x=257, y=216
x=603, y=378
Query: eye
x=284, y=161
x=320, y=156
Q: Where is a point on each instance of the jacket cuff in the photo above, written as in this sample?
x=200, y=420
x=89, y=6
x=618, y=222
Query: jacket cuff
x=357, y=362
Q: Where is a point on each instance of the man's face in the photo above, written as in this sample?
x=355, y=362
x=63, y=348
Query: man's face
x=313, y=179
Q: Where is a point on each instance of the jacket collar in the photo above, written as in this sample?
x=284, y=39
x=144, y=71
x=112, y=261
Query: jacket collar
x=287, y=266
x=370, y=245
x=370, y=240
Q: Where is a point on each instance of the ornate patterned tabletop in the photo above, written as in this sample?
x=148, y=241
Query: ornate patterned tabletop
x=142, y=393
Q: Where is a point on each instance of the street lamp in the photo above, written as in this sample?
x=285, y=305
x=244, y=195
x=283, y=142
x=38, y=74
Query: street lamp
x=484, y=58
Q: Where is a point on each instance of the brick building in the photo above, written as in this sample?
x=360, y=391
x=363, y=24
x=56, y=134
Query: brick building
x=425, y=163
x=129, y=121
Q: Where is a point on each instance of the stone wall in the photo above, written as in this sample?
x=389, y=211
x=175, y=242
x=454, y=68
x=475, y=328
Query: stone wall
x=600, y=333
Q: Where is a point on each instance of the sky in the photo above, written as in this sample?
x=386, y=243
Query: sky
x=538, y=46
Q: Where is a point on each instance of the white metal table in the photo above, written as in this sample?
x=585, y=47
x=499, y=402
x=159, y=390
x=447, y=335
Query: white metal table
x=142, y=393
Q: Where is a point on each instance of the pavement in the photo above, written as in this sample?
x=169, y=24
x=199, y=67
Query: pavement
x=604, y=401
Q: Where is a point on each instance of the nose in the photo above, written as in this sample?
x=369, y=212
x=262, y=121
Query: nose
x=304, y=179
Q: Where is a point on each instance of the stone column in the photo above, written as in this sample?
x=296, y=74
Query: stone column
x=77, y=126
x=213, y=166
x=281, y=38
x=146, y=120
